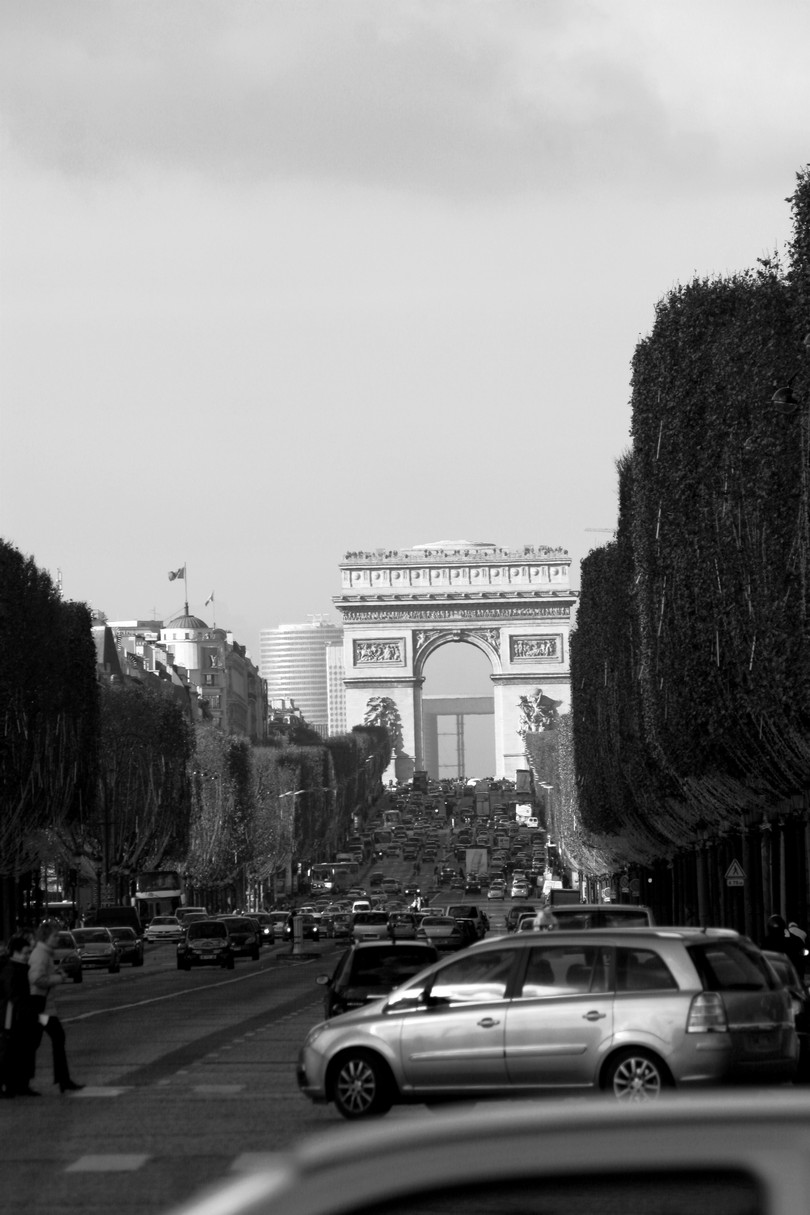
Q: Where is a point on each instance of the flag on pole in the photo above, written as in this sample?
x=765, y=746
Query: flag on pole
x=181, y=573
x=210, y=599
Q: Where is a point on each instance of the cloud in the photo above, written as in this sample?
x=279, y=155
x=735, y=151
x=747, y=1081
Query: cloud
x=457, y=98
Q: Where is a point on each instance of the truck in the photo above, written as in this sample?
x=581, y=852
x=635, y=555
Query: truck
x=476, y=861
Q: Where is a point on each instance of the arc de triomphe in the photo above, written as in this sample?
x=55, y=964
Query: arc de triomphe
x=399, y=606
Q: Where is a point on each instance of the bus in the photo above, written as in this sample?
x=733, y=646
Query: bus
x=157, y=892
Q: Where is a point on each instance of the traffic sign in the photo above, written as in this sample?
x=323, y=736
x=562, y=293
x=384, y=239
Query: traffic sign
x=735, y=874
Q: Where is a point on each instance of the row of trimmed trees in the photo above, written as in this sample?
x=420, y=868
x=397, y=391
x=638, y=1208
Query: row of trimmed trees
x=107, y=778
x=690, y=662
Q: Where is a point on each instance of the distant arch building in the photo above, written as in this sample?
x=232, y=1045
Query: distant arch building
x=399, y=606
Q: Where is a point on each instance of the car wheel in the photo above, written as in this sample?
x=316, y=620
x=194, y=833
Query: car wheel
x=114, y=969
x=635, y=1076
x=361, y=1087
x=138, y=961
x=181, y=965
x=78, y=977
x=229, y=965
x=255, y=955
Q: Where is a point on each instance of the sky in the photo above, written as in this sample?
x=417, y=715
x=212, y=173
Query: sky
x=281, y=279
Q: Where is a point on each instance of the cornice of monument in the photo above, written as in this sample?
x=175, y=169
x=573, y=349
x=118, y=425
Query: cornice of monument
x=472, y=554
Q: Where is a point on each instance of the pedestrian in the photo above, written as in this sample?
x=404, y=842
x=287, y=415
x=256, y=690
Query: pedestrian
x=43, y=976
x=18, y=1022
x=801, y=949
x=778, y=938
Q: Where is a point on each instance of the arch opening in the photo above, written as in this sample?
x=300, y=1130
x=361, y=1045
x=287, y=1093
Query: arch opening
x=458, y=711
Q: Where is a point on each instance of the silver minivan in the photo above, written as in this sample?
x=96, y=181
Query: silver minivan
x=631, y=1011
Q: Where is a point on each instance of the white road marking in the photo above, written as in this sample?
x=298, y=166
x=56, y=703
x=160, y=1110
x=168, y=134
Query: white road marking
x=114, y=1162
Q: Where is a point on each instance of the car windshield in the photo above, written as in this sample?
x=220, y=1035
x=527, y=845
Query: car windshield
x=91, y=936
x=239, y=925
x=64, y=941
x=206, y=928
x=164, y=919
x=123, y=934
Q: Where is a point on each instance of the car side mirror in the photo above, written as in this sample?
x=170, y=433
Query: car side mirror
x=324, y=980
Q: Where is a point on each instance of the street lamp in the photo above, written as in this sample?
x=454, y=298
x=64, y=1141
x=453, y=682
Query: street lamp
x=293, y=793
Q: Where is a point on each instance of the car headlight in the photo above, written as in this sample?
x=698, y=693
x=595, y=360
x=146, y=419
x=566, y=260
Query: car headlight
x=315, y=1033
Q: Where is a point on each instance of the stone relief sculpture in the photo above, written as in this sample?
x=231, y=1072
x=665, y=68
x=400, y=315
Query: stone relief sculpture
x=378, y=651
x=537, y=713
x=383, y=711
x=535, y=647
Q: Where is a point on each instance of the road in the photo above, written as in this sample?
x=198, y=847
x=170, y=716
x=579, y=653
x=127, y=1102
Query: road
x=189, y=1077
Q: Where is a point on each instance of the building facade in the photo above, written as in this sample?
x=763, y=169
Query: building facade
x=229, y=688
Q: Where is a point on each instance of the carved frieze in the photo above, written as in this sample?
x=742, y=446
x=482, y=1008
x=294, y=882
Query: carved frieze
x=545, y=647
x=388, y=651
x=551, y=611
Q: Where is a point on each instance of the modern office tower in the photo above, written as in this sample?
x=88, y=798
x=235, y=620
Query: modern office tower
x=293, y=661
x=335, y=688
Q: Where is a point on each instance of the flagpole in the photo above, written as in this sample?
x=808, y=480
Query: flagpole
x=185, y=583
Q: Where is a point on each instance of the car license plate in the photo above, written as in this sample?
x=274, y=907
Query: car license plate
x=760, y=1043
x=207, y=957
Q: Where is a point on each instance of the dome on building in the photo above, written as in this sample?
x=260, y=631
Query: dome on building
x=186, y=622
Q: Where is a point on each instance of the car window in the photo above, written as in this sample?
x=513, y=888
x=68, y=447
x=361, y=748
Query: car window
x=205, y=928
x=642, y=970
x=391, y=967
x=475, y=977
x=91, y=935
x=730, y=966
x=562, y=970
x=64, y=941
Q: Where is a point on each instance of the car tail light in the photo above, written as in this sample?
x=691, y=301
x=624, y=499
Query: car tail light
x=707, y=1014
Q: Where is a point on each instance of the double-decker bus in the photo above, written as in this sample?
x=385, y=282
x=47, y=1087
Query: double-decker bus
x=157, y=892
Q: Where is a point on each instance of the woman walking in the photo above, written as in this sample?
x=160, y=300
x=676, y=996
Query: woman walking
x=43, y=976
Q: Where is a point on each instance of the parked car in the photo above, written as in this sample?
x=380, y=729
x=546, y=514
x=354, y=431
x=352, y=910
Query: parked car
x=631, y=1012
x=245, y=936
x=97, y=949
x=66, y=956
x=164, y=928
x=371, y=969
x=130, y=946
x=206, y=943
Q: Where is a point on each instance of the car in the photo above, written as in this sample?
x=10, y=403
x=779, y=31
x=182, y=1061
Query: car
x=266, y=926
x=183, y=913
x=514, y=914
x=245, y=936
x=497, y=890
x=205, y=943
x=800, y=997
x=130, y=945
x=310, y=930
x=402, y=925
x=468, y=911
x=629, y=1012
x=520, y=890
x=164, y=928
x=342, y=924
x=66, y=956
x=601, y=915
x=369, y=970
x=370, y=926
x=444, y=932
x=472, y=885
x=704, y=1153
x=376, y=878
x=97, y=949
x=391, y=885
